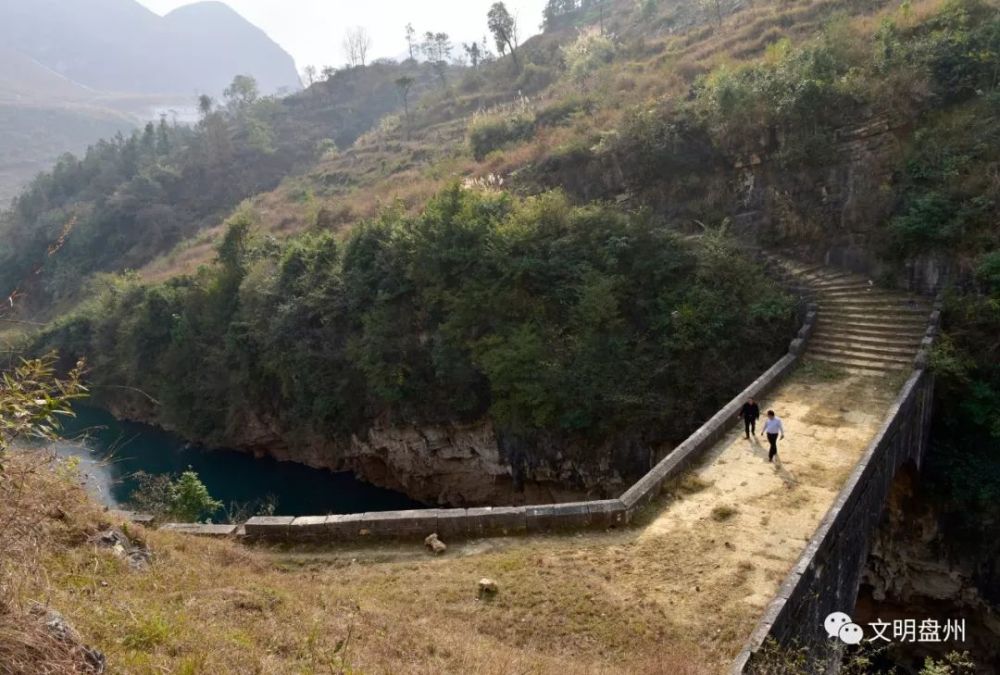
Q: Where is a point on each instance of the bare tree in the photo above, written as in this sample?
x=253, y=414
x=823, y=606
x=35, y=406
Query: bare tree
x=411, y=39
x=474, y=53
x=357, y=44
x=404, y=84
x=437, y=49
x=205, y=104
x=309, y=73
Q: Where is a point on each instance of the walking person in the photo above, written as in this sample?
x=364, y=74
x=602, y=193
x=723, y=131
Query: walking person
x=773, y=428
x=750, y=412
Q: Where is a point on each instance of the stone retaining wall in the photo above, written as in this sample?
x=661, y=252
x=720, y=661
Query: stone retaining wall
x=828, y=574
x=501, y=521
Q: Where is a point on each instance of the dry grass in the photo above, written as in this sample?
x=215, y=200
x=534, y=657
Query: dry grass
x=40, y=512
x=723, y=512
x=565, y=604
x=677, y=593
x=383, y=168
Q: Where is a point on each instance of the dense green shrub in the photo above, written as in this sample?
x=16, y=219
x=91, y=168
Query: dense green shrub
x=492, y=132
x=534, y=77
x=549, y=318
x=588, y=53
x=561, y=111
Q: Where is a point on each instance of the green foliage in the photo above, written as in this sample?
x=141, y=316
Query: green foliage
x=33, y=399
x=648, y=8
x=588, y=53
x=189, y=498
x=182, y=498
x=801, y=91
x=562, y=111
x=988, y=272
x=954, y=663
x=554, y=320
x=132, y=198
x=558, y=12
x=492, y=132
x=535, y=77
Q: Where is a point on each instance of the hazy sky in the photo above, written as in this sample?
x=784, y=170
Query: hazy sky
x=312, y=30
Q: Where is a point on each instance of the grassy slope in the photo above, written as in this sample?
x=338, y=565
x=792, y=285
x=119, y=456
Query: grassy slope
x=217, y=607
x=662, y=58
x=676, y=594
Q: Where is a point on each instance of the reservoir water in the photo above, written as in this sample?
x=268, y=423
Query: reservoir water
x=111, y=452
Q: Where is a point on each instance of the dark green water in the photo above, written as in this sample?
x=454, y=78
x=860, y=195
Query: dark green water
x=111, y=452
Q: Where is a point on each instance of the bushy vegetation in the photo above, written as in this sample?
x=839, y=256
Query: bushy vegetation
x=789, y=104
x=33, y=399
x=494, y=131
x=129, y=199
x=552, y=319
x=183, y=498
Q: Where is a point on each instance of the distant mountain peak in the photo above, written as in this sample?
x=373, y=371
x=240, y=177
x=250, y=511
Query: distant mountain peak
x=120, y=46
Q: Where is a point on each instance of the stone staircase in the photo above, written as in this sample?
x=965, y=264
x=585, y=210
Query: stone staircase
x=862, y=328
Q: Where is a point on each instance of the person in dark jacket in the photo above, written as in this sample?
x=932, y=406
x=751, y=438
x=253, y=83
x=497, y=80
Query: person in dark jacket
x=750, y=412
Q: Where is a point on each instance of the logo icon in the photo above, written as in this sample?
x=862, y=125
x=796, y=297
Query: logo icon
x=839, y=625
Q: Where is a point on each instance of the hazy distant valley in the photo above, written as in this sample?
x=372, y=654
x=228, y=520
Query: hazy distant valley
x=60, y=91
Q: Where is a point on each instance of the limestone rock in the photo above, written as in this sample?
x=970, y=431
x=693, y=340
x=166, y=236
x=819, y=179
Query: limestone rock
x=435, y=545
x=94, y=661
x=488, y=588
x=137, y=556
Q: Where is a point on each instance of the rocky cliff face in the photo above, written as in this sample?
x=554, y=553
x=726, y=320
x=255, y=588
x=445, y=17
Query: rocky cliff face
x=916, y=569
x=453, y=464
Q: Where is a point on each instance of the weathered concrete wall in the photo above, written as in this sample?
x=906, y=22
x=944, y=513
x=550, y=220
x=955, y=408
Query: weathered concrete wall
x=500, y=521
x=827, y=576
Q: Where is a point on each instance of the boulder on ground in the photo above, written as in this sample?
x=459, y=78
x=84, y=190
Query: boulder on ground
x=488, y=588
x=93, y=661
x=137, y=556
x=435, y=545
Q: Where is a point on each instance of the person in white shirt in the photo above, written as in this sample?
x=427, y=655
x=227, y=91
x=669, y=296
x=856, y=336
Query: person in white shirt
x=772, y=429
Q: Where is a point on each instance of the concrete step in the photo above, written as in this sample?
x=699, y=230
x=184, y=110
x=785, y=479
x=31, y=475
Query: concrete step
x=870, y=330
x=829, y=277
x=860, y=364
x=865, y=292
x=872, y=309
x=855, y=286
x=853, y=345
x=796, y=267
x=873, y=316
x=911, y=343
x=866, y=301
x=902, y=313
x=856, y=355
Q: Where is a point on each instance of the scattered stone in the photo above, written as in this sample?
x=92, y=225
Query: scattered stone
x=488, y=588
x=137, y=556
x=58, y=627
x=730, y=546
x=435, y=545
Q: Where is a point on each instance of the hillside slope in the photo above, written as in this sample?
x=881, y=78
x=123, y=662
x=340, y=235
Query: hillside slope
x=803, y=145
x=497, y=282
